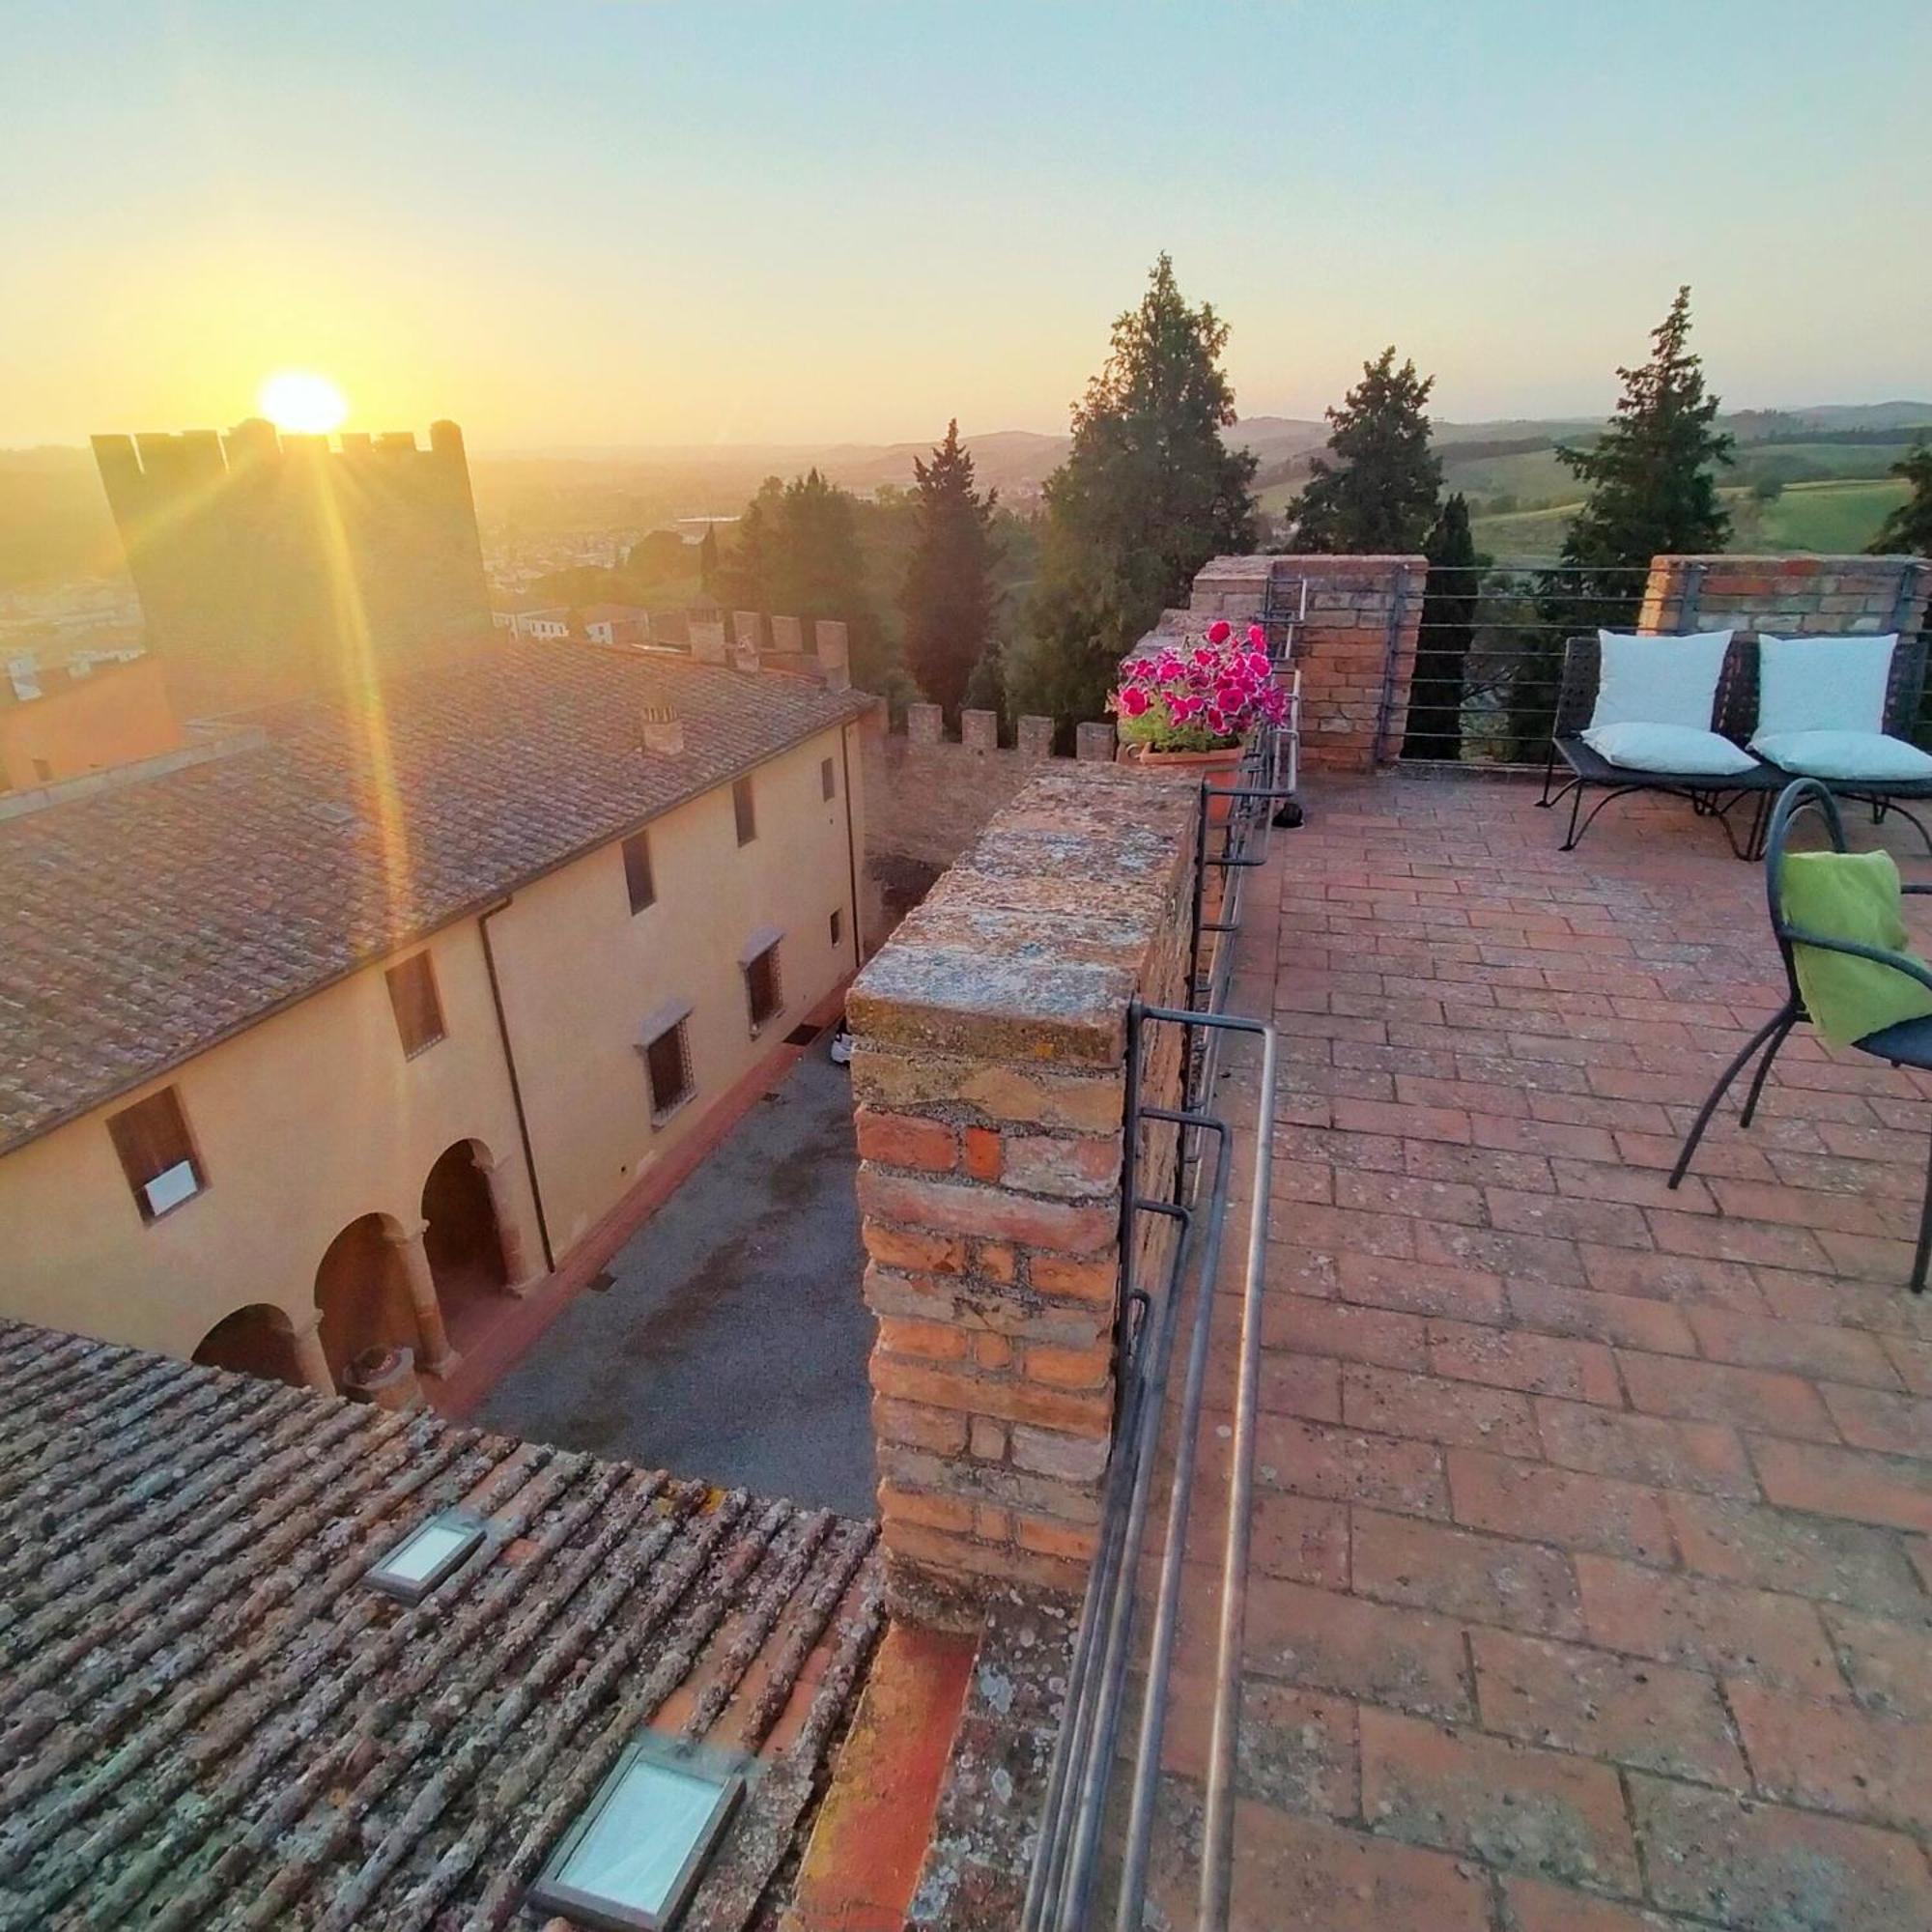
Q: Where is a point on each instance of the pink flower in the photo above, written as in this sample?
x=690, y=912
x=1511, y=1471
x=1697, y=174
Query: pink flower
x=1258, y=636
x=1220, y=631
x=1134, y=701
x=1216, y=723
x=1258, y=665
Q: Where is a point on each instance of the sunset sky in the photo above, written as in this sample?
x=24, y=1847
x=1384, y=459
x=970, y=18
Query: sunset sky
x=705, y=220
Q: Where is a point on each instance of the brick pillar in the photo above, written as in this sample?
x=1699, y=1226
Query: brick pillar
x=833, y=645
x=1788, y=596
x=1093, y=743
x=989, y=1069
x=922, y=723
x=747, y=629
x=707, y=641
x=1036, y=736
x=980, y=731
x=788, y=634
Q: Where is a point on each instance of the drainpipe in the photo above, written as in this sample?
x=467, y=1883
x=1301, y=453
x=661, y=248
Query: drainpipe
x=516, y=1085
x=851, y=848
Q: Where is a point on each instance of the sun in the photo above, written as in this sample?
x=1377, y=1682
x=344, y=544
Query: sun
x=300, y=400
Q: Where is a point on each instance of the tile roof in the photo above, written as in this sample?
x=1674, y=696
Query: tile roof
x=208, y=1720
x=145, y=920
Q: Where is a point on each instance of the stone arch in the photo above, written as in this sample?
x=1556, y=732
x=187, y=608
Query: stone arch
x=362, y=1291
x=258, y=1340
x=463, y=1233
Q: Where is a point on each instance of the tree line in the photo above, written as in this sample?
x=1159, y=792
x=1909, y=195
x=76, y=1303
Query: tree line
x=1150, y=491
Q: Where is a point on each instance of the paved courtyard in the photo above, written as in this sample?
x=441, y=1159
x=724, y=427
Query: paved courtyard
x=1593, y=1535
x=732, y=1342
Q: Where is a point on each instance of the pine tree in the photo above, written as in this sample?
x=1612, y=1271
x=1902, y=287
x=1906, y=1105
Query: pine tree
x=1149, y=493
x=819, y=571
x=746, y=577
x=948, y=598
x=1378, y=498
x=707, y=562
x=1653, y=487
x=1447, y=629
x=1908, y=528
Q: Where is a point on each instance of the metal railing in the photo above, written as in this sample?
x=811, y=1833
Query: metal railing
x=1076, y=1853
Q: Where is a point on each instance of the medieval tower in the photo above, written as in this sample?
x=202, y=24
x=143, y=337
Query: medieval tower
x=271, y=565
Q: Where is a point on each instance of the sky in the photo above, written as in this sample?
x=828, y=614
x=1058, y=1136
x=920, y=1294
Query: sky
x=700, y=221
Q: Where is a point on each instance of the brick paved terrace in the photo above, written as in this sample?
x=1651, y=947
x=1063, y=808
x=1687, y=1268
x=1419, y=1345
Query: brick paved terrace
x=1593, y=1521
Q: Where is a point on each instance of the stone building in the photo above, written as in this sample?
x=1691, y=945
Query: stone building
x=338, y=1036
x=272, y=565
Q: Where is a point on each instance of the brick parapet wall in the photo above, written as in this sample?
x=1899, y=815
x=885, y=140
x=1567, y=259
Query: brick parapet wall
x=989, y=1072
x=1795, y=596
x=1354, y=694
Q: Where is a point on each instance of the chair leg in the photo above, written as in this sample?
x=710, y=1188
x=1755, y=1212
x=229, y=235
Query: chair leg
x=1763, y=1072
x=1924, y=1253
x=1576, y=806
x=1783, y=1018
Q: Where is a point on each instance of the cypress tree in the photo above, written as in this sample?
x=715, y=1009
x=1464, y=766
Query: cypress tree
x=948, y=598
x=1378, y=496
x=1447, y=629
x=1908, y=528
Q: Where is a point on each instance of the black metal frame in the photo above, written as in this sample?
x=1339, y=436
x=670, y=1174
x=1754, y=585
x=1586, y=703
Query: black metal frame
x=1802, y=795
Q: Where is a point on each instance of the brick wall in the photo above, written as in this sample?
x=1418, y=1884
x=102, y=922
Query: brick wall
x=1355, y=699
x=1796, y=596
x=990, y=1036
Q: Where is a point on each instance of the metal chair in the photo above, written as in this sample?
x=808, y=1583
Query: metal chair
x=1908, y=1043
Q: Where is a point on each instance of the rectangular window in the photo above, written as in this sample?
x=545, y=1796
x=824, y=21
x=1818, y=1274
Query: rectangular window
x=157, y=1155
x=667, y=1062
x=828, y=784
x=418, y=1010
x=762, y=986
x=744, y=810
x=837, y=925
x=638, y=872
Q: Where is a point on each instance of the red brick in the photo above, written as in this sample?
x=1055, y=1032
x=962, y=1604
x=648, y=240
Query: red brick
x=1634, y=1186
x=1845, y=1482
x=1711, y=1392
x=1865, y=1257
x=1500, y=1251
x=934, y=1341
x=1800, y=1206
x=914, y=1250
x=979, y=1394
x=1070, y=1368
x=904, y=1140
x=917, y=1506
x=1066, y=1279
x=1563, y=1218
x=982, y=1153
x=1302, y=1540
x=1533, y=1905
x=1428, y=1124
x=1537, y=1364
x=1889, y=1664
x=1720, y=1238
x=992, y=1351
x=1912, y=1359
x=1409, y=1286
x=947, y=1208
x=1050, y=1538
x=1297, y=1746
x=1545, y=1137
x=1558, y=1817
x=1376, y=1193
x=1632, y=1711
x=1677, y=1278
x=1768, y=1868
x=1834, y=1758
x=1342, y=1465
x=1803, y=1555
x=1457, y=1574
x=1868, y=1418
x=1626, y=1319
x=1300, y=1872
x=1805, y=1347
x=1709, y=1626
x=1359, y=1648
x=1560, y=1506
x=1344, y=1330
x=1438, y=1410
x=940, y=1430
x=1331, y=1229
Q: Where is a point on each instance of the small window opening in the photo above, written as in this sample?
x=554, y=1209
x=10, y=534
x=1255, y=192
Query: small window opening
x=828, y=784
x=633, y=1858
x=667, y=1062
x=418, y=1010
x=638, y=874
x=745, y=809
x=424, y=1557
x=761, y=986
x=837, y=925
x=157, y=1155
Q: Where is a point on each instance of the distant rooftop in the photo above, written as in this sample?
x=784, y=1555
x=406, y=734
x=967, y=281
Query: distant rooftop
x=211, y=1715
x=147, y=920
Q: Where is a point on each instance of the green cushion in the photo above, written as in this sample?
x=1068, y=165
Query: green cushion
x=1852, y=895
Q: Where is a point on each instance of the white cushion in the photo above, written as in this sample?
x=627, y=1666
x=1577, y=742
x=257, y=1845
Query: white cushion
x=1658, y=680
x=1843, y=754
x=1822, y=684
x=1668, y=747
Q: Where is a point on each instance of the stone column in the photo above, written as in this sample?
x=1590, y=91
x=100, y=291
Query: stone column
x=498, y=1176
x=311, y=1364
x=1093, y=742
x=980, y=731
x=834, y=647
x=989, y=1066
x=922, y=723
x=1036, y=735
x=437, y=1356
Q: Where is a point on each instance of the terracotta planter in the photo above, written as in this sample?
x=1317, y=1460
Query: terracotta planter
x=1217, y=768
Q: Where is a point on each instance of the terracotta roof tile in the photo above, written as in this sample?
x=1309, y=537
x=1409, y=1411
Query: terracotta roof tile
x=208, y=1719
x=144, y=922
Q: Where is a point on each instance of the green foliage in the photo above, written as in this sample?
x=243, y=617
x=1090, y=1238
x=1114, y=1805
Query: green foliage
x=1768, y=489
x=948, y=598
x=707, y=562
x=1908, y=528
x=655, y=558
x=1147, y=493
x=1378, y=498
x=1651, y=475
x=1448, y=628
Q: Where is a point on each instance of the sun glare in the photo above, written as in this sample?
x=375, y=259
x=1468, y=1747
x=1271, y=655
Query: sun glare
x=300, y=400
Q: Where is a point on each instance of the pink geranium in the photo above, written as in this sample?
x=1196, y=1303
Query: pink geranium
x=1201, y=696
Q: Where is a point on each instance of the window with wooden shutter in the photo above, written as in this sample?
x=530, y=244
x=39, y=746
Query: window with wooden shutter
x=418, y=1010
x=157, y=1155
x=667, y=1062
x=762, y=993
x=744, y=810
x=638, y=874
x=828, y=784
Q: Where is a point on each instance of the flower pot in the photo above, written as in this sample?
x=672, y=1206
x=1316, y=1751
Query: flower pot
x=1216, y=768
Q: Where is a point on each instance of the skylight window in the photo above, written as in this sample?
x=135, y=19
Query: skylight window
x=635, y=1853
x=425, y=1556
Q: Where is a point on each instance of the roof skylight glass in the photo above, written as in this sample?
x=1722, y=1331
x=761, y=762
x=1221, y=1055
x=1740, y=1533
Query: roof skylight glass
x=635, y=1853
x=425, y=1556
